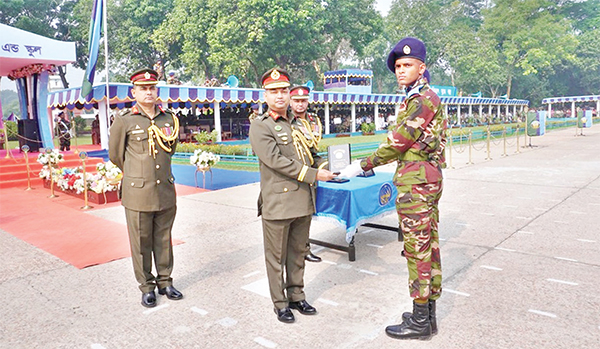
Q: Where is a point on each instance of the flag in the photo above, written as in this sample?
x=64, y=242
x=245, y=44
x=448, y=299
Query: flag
x=11, y=117
x=93, y=46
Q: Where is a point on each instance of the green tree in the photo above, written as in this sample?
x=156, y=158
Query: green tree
x=530, y=38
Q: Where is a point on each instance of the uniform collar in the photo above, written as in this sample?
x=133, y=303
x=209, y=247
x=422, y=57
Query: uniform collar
x=136, y=110
x=274, y=115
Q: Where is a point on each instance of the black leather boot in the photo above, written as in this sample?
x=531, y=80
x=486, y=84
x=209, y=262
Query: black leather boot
x=432, y=319
x=417, y=326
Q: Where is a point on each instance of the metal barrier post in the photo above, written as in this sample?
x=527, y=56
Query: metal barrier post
x=488, y=143
x=470, y=146
x=504, y=140
x=517, y=134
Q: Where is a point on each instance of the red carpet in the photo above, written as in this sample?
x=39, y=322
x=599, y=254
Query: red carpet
x=59, y=227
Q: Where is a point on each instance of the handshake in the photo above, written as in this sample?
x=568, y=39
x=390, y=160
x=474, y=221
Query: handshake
x=351, y=170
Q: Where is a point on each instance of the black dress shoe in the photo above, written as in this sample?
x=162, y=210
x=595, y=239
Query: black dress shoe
x=303, y=307
x=149, y=299
x=310, y=257
x=285, y=315
x=171, y=293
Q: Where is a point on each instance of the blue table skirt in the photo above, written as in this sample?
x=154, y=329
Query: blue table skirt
x=358, y=201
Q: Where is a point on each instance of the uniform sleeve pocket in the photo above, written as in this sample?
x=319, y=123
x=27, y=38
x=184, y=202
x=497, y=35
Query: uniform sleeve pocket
x=133, y=182
x=284, y=187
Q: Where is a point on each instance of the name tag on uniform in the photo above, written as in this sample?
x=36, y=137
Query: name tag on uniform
x=137, y=131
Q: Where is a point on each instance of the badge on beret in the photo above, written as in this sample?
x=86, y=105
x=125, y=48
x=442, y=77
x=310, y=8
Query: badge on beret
x=406, y=49
x=147, y=75
x=277, y=127
x=275, y=75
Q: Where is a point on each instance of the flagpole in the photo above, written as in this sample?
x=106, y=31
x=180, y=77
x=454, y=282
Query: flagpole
x=105, y=10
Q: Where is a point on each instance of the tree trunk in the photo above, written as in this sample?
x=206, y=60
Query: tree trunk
x=509, y=84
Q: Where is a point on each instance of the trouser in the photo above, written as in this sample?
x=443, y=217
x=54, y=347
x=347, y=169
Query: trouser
x=285, y=247
x=65, y=143
x=150, y=234
x=418, y=212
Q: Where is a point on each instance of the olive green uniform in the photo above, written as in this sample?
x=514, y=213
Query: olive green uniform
x=286, y=203
x=147, y=192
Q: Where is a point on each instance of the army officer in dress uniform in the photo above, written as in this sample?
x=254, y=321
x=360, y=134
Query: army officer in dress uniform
x=142, y=141
x=311, y=125
x=287, y=196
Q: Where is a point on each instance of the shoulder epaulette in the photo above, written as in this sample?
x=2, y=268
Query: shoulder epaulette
x=124, y=111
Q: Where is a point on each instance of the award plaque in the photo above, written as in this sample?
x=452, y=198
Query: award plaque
x=338, y=157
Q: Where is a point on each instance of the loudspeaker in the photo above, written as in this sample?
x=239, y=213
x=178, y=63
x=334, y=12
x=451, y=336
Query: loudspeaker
x=29, y=134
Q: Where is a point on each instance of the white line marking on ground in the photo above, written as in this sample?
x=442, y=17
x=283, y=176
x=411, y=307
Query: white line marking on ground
x=199, y=311
x=367, y=231
x=368, y=272
x=463, y=224
x=563, y=282
x=227, y=322
x=510, y=206
x=265, y=342
x=566, y=259
x=157, y=308
x=329, y=262
x=376, y=246
x=490, y=267
x=561, y=222
x=345, y=266
x=327, y=301
x=97, y=346
x=586, y=240
x=317, y=249
x=456, y=292
x=576, y=212
x=542, y=313
x=505, y=249
x=441, y=239
x=488, y=213
x=260, y=287
x=524, y=232
x=521, y=217
x=251, y=274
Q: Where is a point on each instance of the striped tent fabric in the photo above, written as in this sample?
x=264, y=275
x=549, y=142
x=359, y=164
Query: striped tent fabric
x=571, y=99
x=120, y=96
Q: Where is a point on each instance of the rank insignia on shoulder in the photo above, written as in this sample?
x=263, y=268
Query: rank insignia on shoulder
x=137, y=127
x=277, y=128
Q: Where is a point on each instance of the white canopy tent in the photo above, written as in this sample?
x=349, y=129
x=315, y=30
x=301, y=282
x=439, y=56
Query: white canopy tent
x=29, y=59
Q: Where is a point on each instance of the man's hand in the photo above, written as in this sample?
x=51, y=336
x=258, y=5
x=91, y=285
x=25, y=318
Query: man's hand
x=351, y=170
x=325, y=175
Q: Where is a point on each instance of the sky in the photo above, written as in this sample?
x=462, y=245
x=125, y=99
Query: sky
x=75, y=76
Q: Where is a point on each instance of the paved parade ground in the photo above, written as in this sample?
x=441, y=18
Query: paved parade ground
x=520, y=244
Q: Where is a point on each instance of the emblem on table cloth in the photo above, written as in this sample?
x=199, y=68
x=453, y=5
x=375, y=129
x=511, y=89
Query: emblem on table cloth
x=385, y=194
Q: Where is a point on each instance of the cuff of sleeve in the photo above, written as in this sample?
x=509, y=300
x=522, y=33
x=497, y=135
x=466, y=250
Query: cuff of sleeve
x=307, y=174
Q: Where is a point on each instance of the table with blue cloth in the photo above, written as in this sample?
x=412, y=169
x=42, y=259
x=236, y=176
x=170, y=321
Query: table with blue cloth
x=354, y=203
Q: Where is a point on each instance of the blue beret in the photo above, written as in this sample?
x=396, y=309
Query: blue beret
x=407, y=47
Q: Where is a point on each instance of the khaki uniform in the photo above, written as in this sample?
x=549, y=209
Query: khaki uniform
x=286, y=203
x=147, y=193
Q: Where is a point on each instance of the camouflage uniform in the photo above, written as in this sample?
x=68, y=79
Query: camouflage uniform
x=417, y=143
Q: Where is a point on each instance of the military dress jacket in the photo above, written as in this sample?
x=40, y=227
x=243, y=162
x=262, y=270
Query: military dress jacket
x=286, y=180
x=417, y=141
x=148, y=184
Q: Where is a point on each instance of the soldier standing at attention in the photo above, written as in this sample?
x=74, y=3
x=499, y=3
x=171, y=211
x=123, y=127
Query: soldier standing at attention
x=417, y=143
x=287, y=196
x=142, y=141
x=311, y=126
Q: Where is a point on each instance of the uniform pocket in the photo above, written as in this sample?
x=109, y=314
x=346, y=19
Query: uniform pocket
x=138, y=140
x=133, y=182
x=284, y=187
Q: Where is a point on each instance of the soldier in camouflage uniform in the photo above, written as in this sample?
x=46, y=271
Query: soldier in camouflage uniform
x=417, y=143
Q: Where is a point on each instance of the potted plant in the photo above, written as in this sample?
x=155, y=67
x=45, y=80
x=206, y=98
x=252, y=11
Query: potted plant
x=367, y=128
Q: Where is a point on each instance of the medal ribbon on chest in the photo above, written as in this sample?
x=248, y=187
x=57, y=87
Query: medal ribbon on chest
x=165, y=137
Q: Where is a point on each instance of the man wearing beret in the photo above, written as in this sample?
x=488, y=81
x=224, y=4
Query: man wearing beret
x=142, y=141
x=311, y=128
x=417, y=144
x=287, y=196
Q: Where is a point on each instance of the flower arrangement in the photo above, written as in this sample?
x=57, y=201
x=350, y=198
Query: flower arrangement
x=204, y=159
x=106, y=179
x=52, y=157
